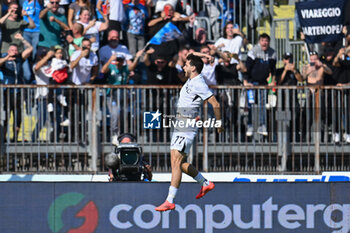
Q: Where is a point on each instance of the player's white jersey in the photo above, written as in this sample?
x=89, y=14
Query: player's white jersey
x=192, y=95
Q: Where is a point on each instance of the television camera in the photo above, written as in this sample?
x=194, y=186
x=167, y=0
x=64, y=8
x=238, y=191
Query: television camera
x=126, y=162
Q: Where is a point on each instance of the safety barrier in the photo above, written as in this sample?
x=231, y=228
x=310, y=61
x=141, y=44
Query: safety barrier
x=307, y=128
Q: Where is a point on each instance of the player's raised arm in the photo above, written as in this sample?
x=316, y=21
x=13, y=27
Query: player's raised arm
x=216, y=106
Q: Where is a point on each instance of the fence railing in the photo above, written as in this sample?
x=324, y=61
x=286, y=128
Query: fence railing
x=283, y=32
x=217, y=12
x=307, y=128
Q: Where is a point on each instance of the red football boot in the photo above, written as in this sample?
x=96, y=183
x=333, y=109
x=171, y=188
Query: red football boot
x=205, y=189
x=165, y=206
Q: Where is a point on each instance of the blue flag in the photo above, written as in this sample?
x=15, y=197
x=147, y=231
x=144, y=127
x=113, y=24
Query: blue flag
x=321, y=20
x=167, y=33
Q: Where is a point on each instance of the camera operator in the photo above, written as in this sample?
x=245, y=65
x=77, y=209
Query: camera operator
x=113, y=162
x=288, y=75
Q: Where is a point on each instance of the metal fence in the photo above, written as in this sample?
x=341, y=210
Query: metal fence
x=213, y=15
x=301, y=122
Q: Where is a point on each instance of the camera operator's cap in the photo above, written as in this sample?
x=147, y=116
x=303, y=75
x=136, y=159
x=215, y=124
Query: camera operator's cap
x=287, y=55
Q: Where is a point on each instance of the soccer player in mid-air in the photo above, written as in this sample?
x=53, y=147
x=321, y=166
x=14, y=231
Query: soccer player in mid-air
x=192, y=95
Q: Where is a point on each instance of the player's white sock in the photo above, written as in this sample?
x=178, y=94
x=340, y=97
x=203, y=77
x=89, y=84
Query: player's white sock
x=200, y=179
x=171, y=194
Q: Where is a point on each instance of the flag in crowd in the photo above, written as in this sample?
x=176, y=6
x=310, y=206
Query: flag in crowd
x=321, y=21
x=167, y=33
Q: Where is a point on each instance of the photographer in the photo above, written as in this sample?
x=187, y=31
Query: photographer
x=314, y=72
x=288, y=75
x=84, y=64
x=11, y=24
x=114, y=161
x=11, y=67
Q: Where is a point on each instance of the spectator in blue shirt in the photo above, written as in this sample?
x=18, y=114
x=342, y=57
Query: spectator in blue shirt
x=11, y=67
x=33, y=8
x=136, y=15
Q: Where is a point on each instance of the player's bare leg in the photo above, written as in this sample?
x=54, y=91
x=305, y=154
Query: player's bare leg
x=176, y=174
x=176, y=171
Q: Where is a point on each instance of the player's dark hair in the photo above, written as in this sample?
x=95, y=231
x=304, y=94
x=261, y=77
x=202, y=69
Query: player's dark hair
x=196, y=62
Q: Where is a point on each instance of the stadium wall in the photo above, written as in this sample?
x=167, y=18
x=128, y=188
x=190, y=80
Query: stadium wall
x=129, y=207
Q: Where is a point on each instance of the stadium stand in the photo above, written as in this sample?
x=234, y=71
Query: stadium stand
x=65, y=126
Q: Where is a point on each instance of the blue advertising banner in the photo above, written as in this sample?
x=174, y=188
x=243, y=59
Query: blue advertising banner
x=129, y=207
x=165, y=177
x=321, y=20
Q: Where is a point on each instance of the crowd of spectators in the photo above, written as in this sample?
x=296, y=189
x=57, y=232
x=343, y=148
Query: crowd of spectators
x=103, y=42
